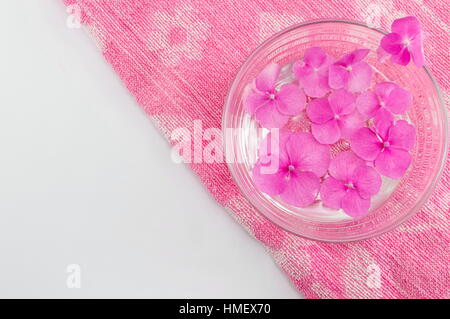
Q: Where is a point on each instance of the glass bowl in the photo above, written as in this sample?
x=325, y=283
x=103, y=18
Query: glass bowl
x=398, y=199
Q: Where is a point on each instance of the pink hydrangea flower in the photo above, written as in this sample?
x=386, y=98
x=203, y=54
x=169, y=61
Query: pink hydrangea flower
x=386, y=144
x=301, y=163
x=405, y=42
x=272, y=108
x=351, y=72
x=312, y=72
x=334, y=117
x=351, y=185
x=386, y=95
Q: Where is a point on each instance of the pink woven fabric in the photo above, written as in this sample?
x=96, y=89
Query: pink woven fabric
x=178, y=59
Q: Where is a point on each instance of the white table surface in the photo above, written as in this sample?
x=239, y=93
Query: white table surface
x=86, y=179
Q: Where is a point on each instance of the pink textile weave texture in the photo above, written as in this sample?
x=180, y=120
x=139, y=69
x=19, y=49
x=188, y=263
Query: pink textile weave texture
x=178, y=58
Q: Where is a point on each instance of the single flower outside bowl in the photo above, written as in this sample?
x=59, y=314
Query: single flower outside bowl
x=397, y=200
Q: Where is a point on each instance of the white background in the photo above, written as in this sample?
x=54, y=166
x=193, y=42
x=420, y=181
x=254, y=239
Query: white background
x=86, y=179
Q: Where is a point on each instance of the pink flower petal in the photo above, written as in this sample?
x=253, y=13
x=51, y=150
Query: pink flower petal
x=269, y=117
x=354, y=205
x=353, y=57
x=393, y=162
x=266, y=80
x=312, y=72
x=319, y=111
x=315, y=84
x=343, y=166
x=368, y=104
x=367, y=181
x=384, y=89
x=273, y=148
x=272, y=184
x=365, y=144
x=342, y=102
x=291, y=99
x=265, y=146
x=326, y=133
x=407, y=26
x=383, y=122
x=315, y=57
x=331, y=192
x=351, y=72
x=254, y=100
x=392, y=43
x=399, y=101
x=416, y=50
x=302, y=189
x=301, y=69
x=359, y=54
x=308, y=155
x=402, y=58
x=338, y=76
x=349, y=124
x=360, y=77
x=402, y=135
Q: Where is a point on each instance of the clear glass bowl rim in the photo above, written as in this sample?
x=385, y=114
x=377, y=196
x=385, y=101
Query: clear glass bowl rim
x=389, y=227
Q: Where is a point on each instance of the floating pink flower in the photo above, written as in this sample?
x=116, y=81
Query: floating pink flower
x=351, y=72
x=312, y=72
x=351, y=185
x=272, y=108
x=405, y=42
x=301, y=163
x=334, y=117
x=386, y=95
x=386, y=144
